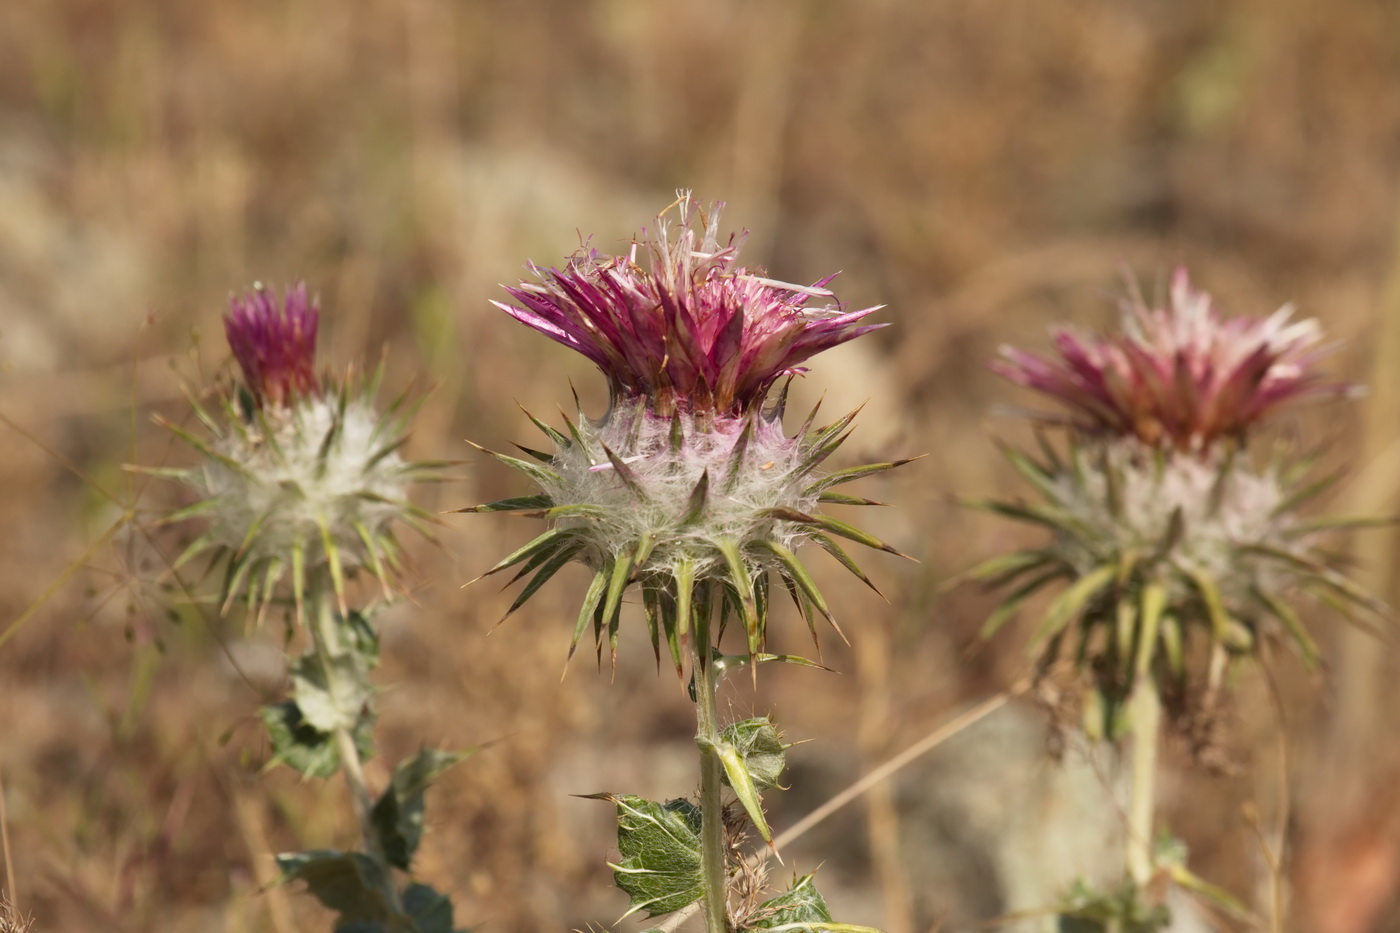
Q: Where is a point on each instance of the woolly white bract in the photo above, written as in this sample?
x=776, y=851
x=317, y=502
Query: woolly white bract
x=318, y=473
x=1203, y=515
x=652, y=494
x=697, y=508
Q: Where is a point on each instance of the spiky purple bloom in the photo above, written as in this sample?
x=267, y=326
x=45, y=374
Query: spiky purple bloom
x=1178, y=375
x=306, y=478
x=1164, y=533
x=691, y=330
x=688, y=486
x=274, y=345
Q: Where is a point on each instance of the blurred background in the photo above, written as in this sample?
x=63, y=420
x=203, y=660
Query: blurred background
x=982, y=168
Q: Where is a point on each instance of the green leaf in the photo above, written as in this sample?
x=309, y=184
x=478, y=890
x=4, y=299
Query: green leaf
x=306, y=749
x=349, y=883
x=398, y=814
x=431, y=911
x=800, y=908
x=330, y=700
x=760, y=748
x=660, y=848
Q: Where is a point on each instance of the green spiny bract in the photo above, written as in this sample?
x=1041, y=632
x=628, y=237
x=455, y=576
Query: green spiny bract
x=677, y=504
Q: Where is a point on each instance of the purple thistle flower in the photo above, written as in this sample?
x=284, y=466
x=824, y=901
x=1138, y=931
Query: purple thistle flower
x=689, y=485
x=275, y=347
x=693, y=332
x=1180, y=375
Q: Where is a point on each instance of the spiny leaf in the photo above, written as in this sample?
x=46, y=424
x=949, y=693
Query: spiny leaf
x=398, y=814
x=347, y=882
x=660, y=868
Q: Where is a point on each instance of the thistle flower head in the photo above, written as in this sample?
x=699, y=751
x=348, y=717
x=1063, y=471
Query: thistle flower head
x=305, y=481
x=275, y=346
x=1170, y=545
x=678, y=321
x=1179, y=375
x=689, y=486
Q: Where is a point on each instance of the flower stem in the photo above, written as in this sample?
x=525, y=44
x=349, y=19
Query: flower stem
x=707, y=737
x=1145, y=708
x=326, y=639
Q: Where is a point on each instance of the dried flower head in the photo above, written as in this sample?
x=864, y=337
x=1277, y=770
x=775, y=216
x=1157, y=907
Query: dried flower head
x=1170, y=545
x=691, y=330
x=1178, y=375
x=689, y=485
x=306, y=479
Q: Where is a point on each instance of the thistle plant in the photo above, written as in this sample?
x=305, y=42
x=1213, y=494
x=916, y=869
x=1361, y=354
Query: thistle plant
x=300, y=484
x=690, y=490
x=1178, y=540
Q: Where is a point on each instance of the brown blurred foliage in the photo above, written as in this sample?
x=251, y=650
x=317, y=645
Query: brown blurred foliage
x=981, y=167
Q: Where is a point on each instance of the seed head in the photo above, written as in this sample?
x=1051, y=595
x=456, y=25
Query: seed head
x=678, y=321
x=1179, y=375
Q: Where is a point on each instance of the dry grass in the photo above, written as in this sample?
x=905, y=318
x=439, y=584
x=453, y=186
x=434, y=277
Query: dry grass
x=981, y=168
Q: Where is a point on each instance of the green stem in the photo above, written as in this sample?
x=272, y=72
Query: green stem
x=1145, y=709
x=326, y=639
x=707, y=737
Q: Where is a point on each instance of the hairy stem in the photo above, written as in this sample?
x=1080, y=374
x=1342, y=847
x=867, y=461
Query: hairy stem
x=1145, y=708
x=707, y=737
x=327, y=641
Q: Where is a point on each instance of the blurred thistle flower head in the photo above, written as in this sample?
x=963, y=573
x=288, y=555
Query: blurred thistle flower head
x=1170, y=541
x=1179, y=375
x=689, y=485
x=274, y=344
x=679, y=322
x=306, y=480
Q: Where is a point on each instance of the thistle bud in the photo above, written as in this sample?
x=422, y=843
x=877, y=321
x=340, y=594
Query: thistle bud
x=300, y=475
x=1166, y=532
x=688, y=485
